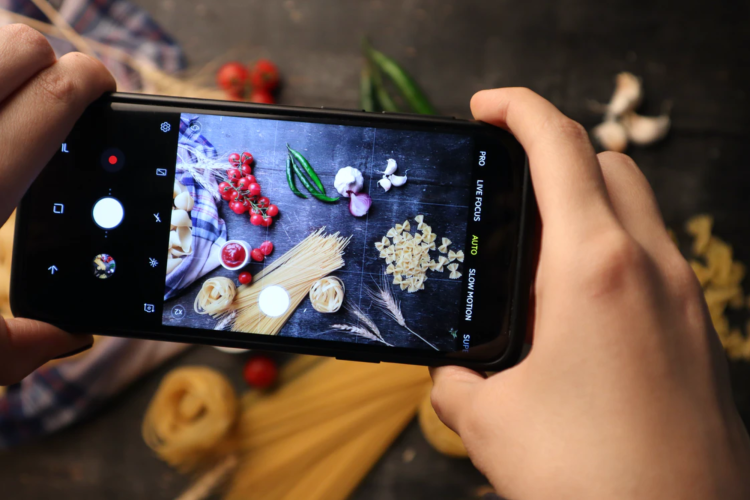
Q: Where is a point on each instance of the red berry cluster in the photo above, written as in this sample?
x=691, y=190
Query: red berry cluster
x=242, y=191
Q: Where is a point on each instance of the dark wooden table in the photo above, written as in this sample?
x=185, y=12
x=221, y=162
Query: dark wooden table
x=692, y=53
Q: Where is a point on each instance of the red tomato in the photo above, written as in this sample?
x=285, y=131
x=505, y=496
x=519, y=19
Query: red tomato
x=246, y=169
x=266, y=247
x=246, y=158
x=256, y=219
x=251, y=178
x=245, y=277
x=272, y=210
x=233, y=77
x=237, y=207
x=246, y=203
x=257, y=255
x=243, y=184
x=234, y=175
x=256, y=210
x=234, y=159
x=229, y=194
x=262, y=97
x=260, y=372
x=254, y=189
x=224, y=187
x=264, y=75
x=267, y=221
x=263, y=202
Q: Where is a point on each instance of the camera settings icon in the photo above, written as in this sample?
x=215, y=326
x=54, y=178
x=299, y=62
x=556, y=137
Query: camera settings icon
x=166, y=127
x=149, y=308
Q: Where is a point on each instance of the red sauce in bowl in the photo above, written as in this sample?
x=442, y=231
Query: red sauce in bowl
x=233, y=254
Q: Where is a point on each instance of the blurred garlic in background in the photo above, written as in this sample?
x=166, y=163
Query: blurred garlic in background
x=611, y=135
x=622, y=124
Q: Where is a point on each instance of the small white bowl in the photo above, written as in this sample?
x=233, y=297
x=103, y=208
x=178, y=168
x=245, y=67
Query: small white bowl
x=247, y=248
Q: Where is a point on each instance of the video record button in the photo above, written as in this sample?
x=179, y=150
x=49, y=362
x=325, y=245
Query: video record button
x=112, y=160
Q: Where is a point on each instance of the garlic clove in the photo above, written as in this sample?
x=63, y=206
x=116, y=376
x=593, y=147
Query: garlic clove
x=611, y=135
x=390, y=167
x=385, y=183
x=398, y=180
x=627, y=95
x=645, y=130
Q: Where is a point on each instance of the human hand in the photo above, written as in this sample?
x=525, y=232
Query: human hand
x=625, y=393
x=40, y=100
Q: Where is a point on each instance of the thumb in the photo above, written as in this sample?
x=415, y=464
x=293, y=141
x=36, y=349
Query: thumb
x=453, y=389
x=27, y=344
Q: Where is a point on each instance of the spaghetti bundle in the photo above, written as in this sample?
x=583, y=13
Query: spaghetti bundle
x=190, y=419
x=325, y=430
x=313, y=258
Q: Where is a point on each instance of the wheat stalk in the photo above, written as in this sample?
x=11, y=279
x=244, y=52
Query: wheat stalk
x=384, y=299
x=362, y=332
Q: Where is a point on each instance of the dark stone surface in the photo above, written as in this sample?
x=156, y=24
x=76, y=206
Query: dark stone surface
x=691, y=52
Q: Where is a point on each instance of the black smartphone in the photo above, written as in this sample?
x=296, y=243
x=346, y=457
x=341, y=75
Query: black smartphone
x=364, y=236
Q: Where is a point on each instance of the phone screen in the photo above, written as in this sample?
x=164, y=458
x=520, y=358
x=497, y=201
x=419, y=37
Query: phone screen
x=367, y=235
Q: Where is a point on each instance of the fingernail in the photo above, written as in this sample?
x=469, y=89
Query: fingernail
x=74, y=352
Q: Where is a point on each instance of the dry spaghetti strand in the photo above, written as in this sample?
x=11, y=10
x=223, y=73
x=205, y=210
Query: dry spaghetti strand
x=313, y=258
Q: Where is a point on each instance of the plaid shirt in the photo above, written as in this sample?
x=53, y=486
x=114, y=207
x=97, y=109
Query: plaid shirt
x=59, y=394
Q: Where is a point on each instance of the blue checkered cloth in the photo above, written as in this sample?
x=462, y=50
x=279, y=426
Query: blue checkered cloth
x=57, y=395
x=209, y=230
x=116, y=23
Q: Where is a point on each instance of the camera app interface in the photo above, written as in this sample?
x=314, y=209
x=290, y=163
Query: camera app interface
x=319, y=231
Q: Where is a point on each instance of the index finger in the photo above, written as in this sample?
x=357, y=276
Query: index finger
x=565, y=172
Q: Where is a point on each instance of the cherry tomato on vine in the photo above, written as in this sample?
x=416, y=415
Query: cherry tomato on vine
x=264, y=75
x=224, y=187
x=263, y=202
x=267, y=221
x=233, y=77
x=254, y=189
x=237, y=207
x=246, y=158
x=234, y=159
x=257, y=255
x=251, y=178
x=234, y=175
x=246, y=203
x=260, y=372
x=229, y=194
x=256, y=219
x=261, y=97
x=243, y=184
x=256, y=210
x=245, y=277
x=272, y=210
x=246, y=169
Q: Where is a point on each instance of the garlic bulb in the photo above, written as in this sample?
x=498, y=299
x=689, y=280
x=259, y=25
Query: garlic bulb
x=385, y=183
x=348, y=179
x=627, y=95
x=611, y=135
x=398, y=180
x=390, y=168
x=644, y=130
